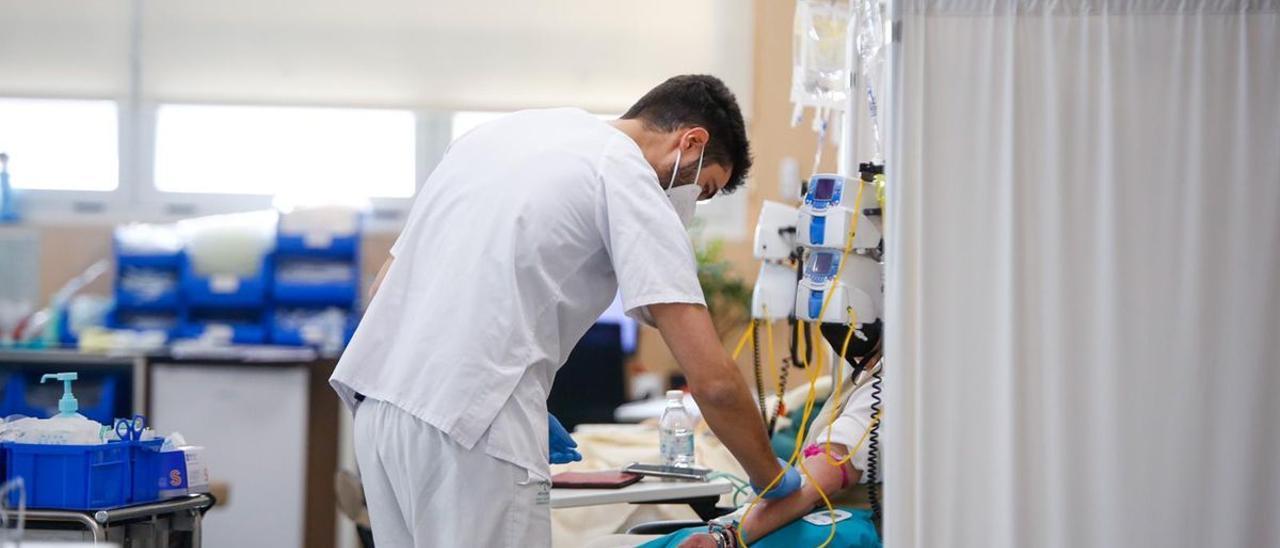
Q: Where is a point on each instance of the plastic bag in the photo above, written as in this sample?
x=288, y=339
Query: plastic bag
x=870, y=45
x=325, y=327
x=821, y=64
x=148, y=239
x=229, y=244
x=332, y=220
x=59, y=430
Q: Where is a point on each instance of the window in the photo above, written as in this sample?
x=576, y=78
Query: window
x=60, y=144
x=468, y=120
x=340, y=153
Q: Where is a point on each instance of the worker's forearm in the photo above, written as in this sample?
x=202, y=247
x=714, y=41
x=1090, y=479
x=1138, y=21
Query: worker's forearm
x=735, y=419
x=769, y=516
x=718, y=387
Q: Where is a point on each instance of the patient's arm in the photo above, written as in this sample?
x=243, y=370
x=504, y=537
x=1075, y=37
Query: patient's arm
x=769, y=516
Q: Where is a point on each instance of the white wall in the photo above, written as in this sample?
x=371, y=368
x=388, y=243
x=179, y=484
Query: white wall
x=478, y=54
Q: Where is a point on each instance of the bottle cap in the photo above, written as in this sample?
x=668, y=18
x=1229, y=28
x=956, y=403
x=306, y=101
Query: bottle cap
x=68, y=405
x=675, y=394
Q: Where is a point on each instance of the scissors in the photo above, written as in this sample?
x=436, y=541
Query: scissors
x=131, y=429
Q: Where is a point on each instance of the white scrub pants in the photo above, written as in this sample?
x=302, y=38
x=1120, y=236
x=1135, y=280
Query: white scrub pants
x=425, y=490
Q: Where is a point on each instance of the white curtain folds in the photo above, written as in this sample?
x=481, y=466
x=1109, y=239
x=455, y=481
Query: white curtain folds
x=1083, y=274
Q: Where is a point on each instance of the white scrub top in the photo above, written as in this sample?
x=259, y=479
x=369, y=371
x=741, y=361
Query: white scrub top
x=514, y=246
x=851, y=424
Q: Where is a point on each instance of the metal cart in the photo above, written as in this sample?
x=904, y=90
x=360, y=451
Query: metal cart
x=172, y=522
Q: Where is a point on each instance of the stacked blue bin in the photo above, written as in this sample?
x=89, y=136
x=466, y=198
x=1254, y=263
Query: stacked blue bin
x=71, y=477
x=236, y=307
x=315, y=287
x=85, y=477
x=146, y=289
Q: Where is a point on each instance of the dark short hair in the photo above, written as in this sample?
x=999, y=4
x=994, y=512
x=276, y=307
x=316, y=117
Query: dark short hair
x=700, y=100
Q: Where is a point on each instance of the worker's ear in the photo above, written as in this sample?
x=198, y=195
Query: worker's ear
x=694, y=140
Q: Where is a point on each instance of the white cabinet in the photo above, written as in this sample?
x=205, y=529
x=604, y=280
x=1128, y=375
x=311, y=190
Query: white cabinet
x=252, y=421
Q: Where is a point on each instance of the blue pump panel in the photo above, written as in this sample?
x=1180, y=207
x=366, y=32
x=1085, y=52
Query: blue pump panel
x=815, y=304
x=817, y=230
x=824, y=192
x=822, y=266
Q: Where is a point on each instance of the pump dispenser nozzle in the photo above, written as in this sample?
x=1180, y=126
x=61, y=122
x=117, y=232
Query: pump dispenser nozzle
x=67, y=406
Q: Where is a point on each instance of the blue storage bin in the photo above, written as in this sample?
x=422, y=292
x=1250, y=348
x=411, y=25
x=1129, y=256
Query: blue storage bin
x=65, y=336
x=246, y=326
x=148, y=471
x=287, y=333
x=301, y=245
x=151, y=260
x=71, y=477
x=336, y=283
x=130, y=298
x=144, y=320
x=165, y=301
x=220, y=291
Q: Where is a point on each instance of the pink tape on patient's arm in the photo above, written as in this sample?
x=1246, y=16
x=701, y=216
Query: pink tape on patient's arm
x=813, y=450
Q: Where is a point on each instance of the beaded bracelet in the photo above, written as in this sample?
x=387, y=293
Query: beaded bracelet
x=725, y=535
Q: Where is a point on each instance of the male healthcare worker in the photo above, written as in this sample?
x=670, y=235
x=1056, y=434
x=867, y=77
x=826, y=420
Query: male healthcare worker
x=515, y=244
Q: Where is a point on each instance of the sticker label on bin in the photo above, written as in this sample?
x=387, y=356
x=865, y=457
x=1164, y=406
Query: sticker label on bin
x=219, y=332
x=224, y=283
x=317, y=239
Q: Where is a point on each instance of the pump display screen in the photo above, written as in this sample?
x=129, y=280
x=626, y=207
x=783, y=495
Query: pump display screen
x=822, y=264
x=824, y=189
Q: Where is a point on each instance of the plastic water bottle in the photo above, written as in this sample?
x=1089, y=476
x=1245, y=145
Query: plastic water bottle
x=676, y=432
x=8, y=209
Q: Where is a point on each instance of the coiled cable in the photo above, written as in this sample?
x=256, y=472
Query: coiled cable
x=873, y=456
x=759, y=371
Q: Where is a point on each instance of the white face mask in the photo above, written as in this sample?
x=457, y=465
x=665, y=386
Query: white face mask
x=685, y=198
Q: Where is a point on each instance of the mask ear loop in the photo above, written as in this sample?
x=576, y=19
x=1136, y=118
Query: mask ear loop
x=674, y=170
x=698, y=173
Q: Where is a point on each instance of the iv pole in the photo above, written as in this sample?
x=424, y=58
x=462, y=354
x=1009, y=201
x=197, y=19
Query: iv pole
x=847, y=149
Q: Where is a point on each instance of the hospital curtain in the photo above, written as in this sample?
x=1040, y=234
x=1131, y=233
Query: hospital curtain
x=1083, y=274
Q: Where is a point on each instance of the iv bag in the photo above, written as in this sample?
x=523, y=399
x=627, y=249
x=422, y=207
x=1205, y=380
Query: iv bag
x=870, y=41
x=821, y=63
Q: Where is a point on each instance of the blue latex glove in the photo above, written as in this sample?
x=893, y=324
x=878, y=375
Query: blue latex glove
x=789, y=483
x=562, y=446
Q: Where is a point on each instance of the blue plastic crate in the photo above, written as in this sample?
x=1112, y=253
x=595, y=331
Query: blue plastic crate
x=66, y=337
x=130, y=299
x=152, y=260
x=301, y=245
x=168, y=300
x=71, y=477
x=148, y=471
x=285, y=291
x=144, y=320
x=292, y=335
x=246, y=326
x=223, y=291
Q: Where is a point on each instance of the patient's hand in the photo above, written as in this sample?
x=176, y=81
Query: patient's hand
x=700, y=540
